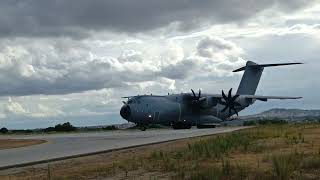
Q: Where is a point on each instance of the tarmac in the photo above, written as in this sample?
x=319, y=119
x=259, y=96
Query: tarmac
x=71, y=145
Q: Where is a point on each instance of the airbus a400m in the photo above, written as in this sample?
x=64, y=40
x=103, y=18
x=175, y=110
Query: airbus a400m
x=182, y=111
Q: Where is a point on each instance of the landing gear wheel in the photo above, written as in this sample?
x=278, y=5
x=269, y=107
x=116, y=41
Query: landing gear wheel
x=181, y=126
x=201, y=126
x=143, y=128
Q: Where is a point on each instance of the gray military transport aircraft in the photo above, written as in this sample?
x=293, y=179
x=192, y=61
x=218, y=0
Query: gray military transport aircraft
x=181, y=111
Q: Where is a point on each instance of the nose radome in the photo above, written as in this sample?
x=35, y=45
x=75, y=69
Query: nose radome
x=125, y=112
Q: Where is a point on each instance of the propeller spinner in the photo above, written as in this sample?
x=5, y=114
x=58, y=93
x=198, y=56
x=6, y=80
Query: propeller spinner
x=230, y=102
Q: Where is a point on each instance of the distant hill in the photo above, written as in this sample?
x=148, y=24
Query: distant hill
x=285, y=114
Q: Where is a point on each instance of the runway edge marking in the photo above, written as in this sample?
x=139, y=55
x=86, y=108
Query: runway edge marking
x=104, y=151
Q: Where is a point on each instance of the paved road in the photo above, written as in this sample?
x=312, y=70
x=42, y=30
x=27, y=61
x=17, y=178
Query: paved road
x=63, y=145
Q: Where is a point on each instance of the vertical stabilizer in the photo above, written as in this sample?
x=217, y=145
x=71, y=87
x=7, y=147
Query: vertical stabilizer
x=251, y=76
x=250, y=79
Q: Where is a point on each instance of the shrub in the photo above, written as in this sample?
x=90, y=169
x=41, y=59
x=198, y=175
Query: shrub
x=312, y=162
x=48, y=129
x=249, y=123
x=273, y=121
x=22, y=131
x=65, y=127
x=284, y=164
x=4, y=130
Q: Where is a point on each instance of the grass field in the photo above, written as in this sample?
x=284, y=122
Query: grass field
x=264, y=152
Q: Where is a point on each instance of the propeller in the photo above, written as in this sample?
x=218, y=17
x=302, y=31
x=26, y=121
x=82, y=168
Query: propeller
x=197, y=100
x=230, y=102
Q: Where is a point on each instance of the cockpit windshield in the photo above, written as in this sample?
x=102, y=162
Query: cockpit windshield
x=133, y=101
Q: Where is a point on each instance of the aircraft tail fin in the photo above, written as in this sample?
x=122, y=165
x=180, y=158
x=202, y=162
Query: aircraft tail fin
x=251, y=76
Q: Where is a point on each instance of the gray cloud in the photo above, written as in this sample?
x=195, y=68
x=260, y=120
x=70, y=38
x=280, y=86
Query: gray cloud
x=67, y=66
x=218, y=49
x=62, y=68
x=179, y=70
x=77, y=18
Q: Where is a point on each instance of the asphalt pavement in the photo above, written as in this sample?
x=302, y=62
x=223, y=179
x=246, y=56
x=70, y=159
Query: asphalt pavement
x=60, y=146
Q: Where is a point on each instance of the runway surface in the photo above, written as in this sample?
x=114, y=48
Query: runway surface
x=64, y=145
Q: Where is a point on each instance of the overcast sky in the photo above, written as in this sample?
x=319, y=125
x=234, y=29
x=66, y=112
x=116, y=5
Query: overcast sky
x=73, y=60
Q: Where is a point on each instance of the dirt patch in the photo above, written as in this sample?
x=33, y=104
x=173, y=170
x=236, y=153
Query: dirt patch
x=15, y=143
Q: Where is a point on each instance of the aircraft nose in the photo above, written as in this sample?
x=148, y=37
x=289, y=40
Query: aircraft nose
x=125, y=112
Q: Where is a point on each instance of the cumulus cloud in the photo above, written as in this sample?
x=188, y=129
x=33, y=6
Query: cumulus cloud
x=218, y=49
x=14, y=107
x=62, y=68
x=179, y=70
x=78, y=18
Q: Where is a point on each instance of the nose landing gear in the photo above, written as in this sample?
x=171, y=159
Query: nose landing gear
x=142, y=127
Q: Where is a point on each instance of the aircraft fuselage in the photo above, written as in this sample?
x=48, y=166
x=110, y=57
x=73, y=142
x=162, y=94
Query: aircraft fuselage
x=175, y=108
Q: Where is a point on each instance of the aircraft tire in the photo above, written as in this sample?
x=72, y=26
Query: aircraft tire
x=143, y=128
x=181, y=126
x=200, y=126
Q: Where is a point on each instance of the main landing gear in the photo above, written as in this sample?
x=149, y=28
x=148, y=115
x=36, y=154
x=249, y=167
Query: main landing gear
x=202, y=126
x=181, y=125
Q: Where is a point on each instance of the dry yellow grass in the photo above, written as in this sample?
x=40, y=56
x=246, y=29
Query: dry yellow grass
x=15, y=143
x=273, y=152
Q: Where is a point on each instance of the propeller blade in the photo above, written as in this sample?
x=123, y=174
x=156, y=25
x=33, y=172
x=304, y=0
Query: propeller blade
x=224, y=109
x=229, y=94
x=236, y=111
x=199, y=94
x=237, y=104
x=234, y=97
x=124, y=102
x=230, y=102
x=224, y=96
x=194, y=94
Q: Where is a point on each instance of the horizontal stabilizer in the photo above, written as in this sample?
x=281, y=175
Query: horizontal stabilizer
x=259, y=97
x=253, y=65
x=265, y=98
